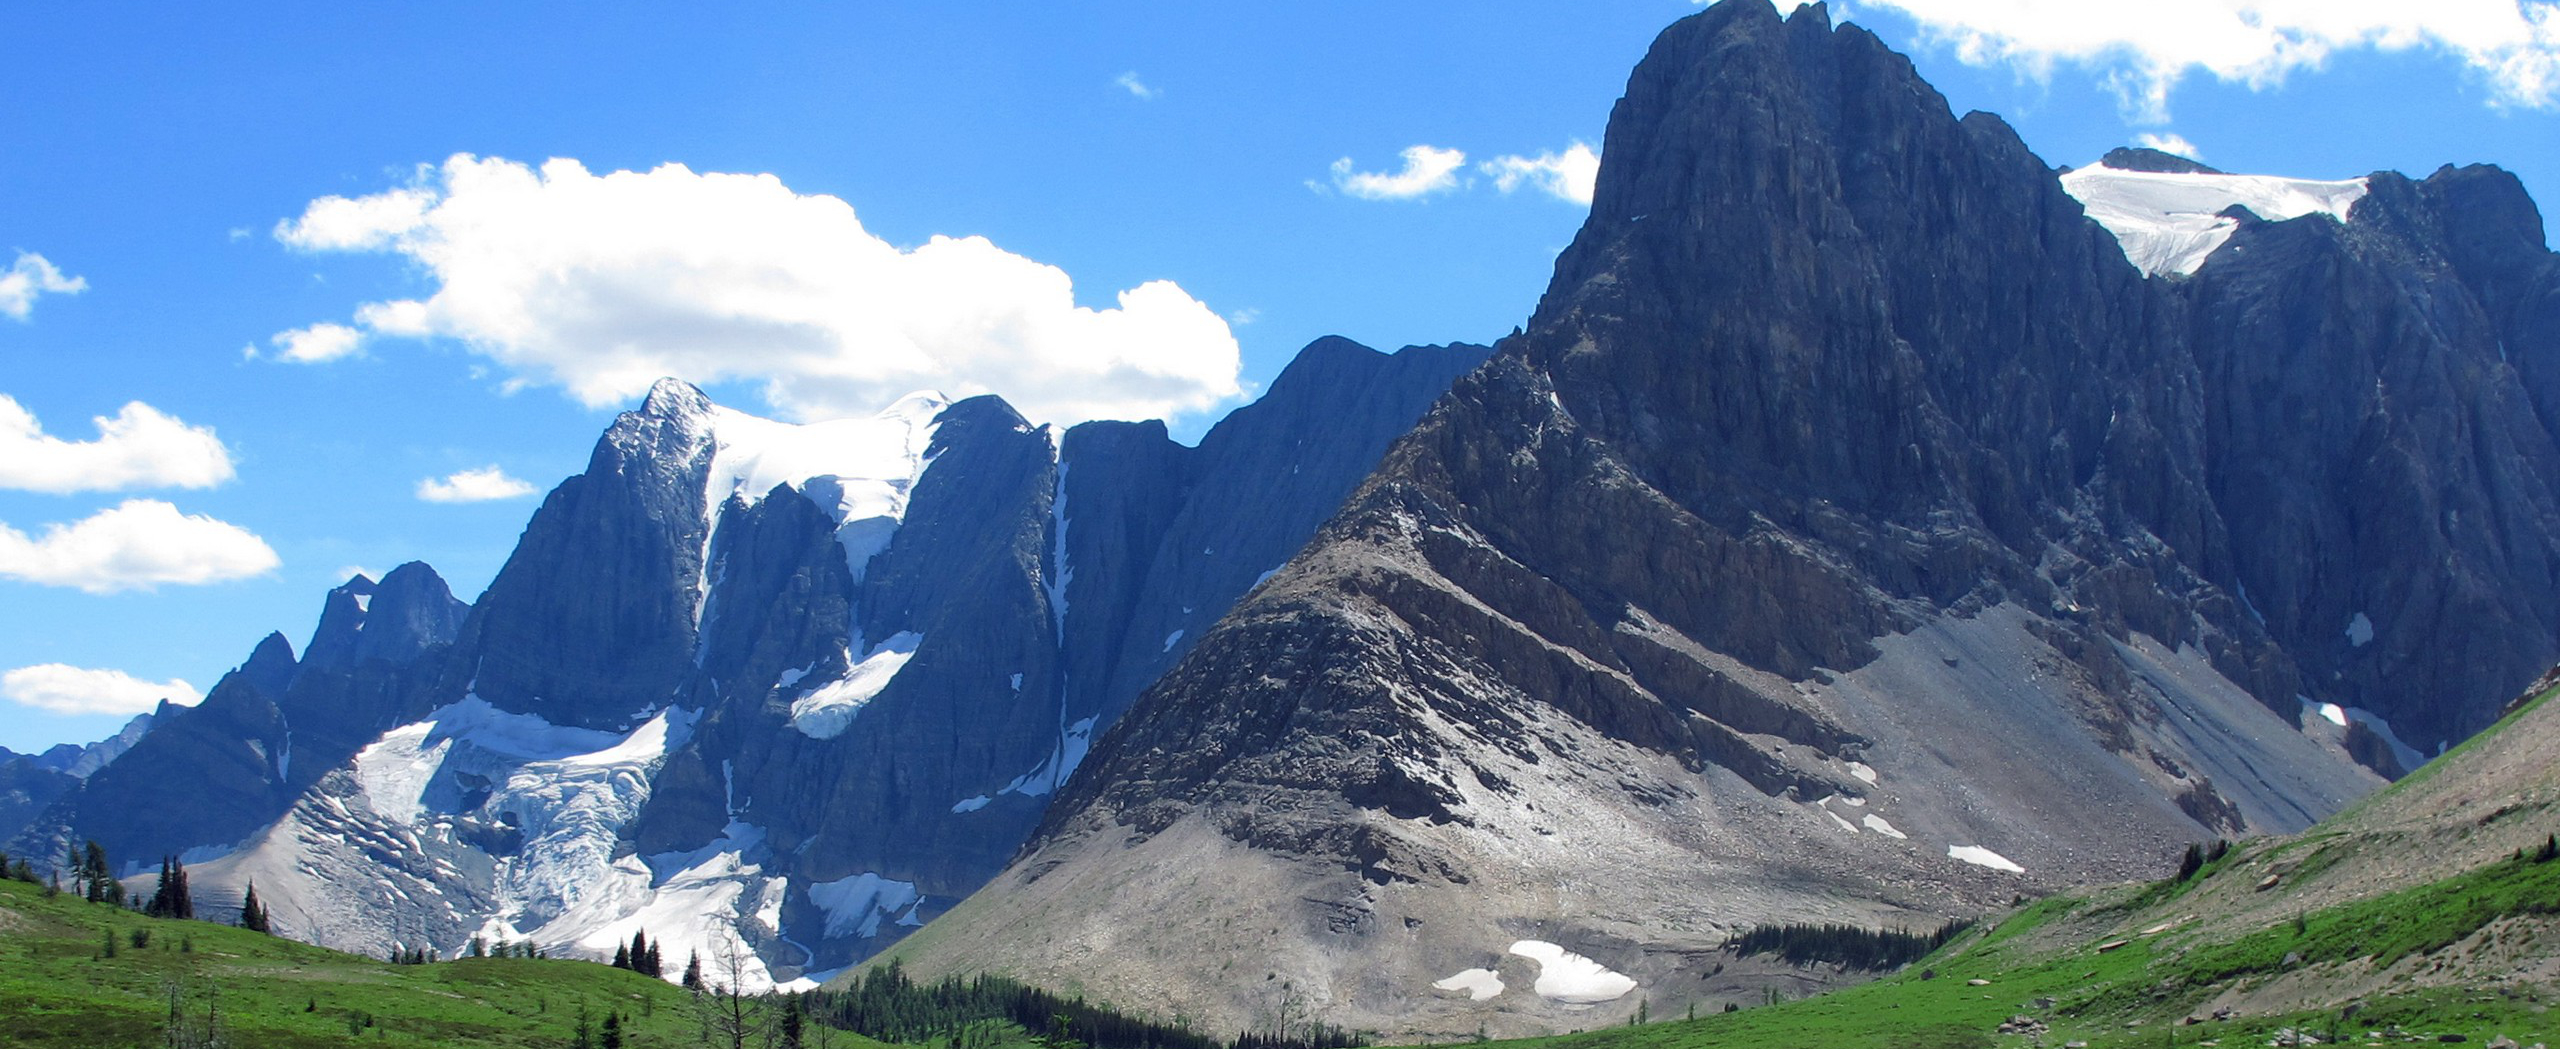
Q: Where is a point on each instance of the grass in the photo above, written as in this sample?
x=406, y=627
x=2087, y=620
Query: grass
x=2042, y=961
x=58, y=988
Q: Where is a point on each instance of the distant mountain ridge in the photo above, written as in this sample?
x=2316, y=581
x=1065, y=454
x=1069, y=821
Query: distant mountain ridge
x=804, y=685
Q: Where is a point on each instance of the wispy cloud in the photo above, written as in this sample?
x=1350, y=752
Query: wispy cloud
x=137, y=545
x=474, y=486
x=1569, y=175
x=2167, y=142
x=316, y=344
x=31, y=276
x=65, y=689
x=139, y=447
x=1135, y=86
x=1427, y=170
x=2141, y=48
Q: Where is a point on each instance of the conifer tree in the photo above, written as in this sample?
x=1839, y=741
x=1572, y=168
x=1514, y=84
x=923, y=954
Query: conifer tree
x=171, y=899
x=611, y=1037
x=621, y=956
x=253, y=914
x=693, y=972
x=640, y=951
x=99, y=878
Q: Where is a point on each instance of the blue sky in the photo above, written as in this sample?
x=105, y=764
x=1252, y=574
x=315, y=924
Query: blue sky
x=166, y=229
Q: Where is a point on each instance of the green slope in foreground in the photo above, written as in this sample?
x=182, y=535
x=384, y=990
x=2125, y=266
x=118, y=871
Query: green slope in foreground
x=58, y=988
x=2428, y=913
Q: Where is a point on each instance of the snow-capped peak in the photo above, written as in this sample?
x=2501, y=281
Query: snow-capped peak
x=859, y=471
x=2169, y=222
x=874, y=459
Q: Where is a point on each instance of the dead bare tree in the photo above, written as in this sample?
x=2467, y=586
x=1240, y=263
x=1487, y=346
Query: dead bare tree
x=730, y=1016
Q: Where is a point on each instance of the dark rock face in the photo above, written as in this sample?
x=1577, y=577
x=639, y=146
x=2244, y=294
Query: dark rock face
x=2384, y=470
x=27, y=789
x=2144, y=158
x=591, y=621
x=212, y=775
x=1843, y=441
x=1020, y=589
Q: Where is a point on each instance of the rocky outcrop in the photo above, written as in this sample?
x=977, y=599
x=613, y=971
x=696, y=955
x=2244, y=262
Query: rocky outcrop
x=1853, y=533
x=591, y=621
x=209, y=777
x=801, y=685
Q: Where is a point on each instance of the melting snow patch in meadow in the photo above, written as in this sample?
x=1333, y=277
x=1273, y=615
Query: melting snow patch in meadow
x=1564, y=976
x=1982, y=857
x=1480, y=984
x=824, y=713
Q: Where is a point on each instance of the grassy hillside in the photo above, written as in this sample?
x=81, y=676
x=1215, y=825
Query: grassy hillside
x=58, y=987
x=2430, y=912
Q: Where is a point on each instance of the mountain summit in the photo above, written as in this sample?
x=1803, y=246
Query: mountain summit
x=1855, y=534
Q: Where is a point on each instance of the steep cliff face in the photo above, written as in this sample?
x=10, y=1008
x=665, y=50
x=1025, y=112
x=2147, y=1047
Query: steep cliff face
x=1854, y=533
x=206, y=778
x=800, y=685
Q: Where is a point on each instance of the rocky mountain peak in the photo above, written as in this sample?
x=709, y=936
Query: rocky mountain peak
x=2145, y=158
x=673, y=398
x=271, y=665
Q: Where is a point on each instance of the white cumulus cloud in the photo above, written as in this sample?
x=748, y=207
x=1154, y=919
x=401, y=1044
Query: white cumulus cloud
x=316, y=344
x=600, y=284
x=473, y=486
x=2170, y=143
x=1427, y=170
x=1570, y=175
x=2143, y=47
x=136, y=545
x=1135, y=86
x=139, y=447
x=65, y=689
x=31, y=276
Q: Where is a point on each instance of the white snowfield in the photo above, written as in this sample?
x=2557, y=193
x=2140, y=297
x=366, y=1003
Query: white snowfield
x=875, y=461
x=1982, y=857
x=1480, y=984
x=2168, y=223
x=861, y=472
x=827, y=710
x=1570, y=978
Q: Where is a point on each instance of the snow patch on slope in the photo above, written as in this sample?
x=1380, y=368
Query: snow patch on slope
x=570, y=793
x=1480, y=984
x=826, y=711
x=1564, y=976
x=1062, y=761
x=2170, y=222
x=860, y=471
x=1982, y=857
x=855, y=905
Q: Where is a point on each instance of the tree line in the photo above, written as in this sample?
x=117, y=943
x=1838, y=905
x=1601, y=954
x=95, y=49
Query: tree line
x=886, y=1004
x=1849, y=946
x=93, y=879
